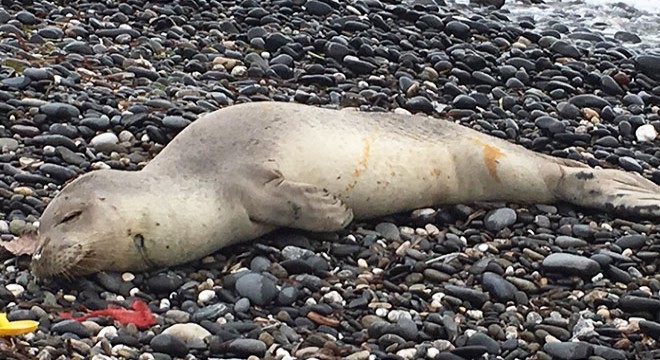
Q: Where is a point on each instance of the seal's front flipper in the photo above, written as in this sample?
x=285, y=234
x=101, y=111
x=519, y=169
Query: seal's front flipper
x=280, y=202
x=620, y=192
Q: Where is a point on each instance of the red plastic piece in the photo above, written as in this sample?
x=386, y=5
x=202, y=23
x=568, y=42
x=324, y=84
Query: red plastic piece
x=141, y=316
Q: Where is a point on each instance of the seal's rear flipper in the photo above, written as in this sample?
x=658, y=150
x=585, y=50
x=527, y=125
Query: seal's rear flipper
x=285, y=203
x=620, y=192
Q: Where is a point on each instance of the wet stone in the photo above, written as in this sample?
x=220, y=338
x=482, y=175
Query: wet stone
x=589, y=100
x=464, y=102
x=470, y=351
x=164, y=283
x=486, y=341
x=569, y=350
x=649, y=65
x=211, y=312
x=359, y=66
x=564, y=48
x=550, y=124
x=60, y=110
x=568, y=242
x=318, y=8
x=260, y=289
x=630, y=164
x=169, y=344
x=630, y=242
x=569, y=264
x=650, y=328
x=499, y=219
x=498, y=287
x=475, y=297
x=18, y=82
x=51, y=32
x=458, y=29
x=247, y=347
x=71, y=326
x=637, y=303
x=175, y=122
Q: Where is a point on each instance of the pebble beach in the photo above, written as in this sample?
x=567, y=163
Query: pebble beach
x=88, y=85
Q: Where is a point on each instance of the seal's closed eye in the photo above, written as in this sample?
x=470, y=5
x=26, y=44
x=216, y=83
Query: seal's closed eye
x=70, y=216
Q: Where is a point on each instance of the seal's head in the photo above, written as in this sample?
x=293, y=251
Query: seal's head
x=84, y=228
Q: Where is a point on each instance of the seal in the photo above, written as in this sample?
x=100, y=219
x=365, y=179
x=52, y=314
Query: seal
x=240, y=172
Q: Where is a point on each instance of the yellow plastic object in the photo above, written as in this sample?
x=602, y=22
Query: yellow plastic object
x=14, y=328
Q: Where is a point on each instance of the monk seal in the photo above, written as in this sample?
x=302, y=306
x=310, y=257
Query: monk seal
x=242, y=171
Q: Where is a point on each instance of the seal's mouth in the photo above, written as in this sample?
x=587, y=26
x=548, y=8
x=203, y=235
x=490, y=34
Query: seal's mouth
x=51, y=261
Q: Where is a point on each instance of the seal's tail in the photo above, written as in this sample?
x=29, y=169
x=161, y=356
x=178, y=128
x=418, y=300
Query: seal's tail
x=620, y=192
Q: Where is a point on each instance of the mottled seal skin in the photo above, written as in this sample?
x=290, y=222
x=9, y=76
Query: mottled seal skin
x=243, y=171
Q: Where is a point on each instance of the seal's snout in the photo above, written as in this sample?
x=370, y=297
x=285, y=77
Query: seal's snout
x=56, y=258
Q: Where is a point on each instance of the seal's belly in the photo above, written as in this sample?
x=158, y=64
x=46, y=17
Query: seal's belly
x=373, y=174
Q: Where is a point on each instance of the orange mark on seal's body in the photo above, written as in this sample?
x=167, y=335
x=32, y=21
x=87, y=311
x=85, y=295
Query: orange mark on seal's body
x=362, y=164
x=492, y=154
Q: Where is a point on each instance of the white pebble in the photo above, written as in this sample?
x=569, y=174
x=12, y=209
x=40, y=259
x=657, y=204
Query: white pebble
x=443, y=345
x=407, y=353
x=432, y=230
x=381, y=312
x=475, y=314
x=482, y=247
x=402, y=111
x=15, y=289
x=436, y=304
x=551, y=339
x=401, y=250
x=106, y=138
x=432, y=352
x=126, y=136
x=187, y=331
x=407, y=231
x=134, y=291
x=164, y=304
x=334, y=297
x=107, y=332
x=239, y=71
x=69, y=298
x=395, y=315
x=127, y=276
x=281, y=353
x=205, y=296
x=353, y=10
x=339, y=77
x=4, y=227
x=100, y=165
x=438, y=296
x=509, y=270
x=646, y=133
x=310, y=302
x=50, y=150
x=511, y=332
